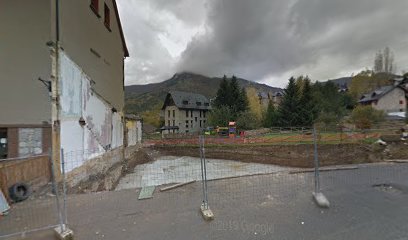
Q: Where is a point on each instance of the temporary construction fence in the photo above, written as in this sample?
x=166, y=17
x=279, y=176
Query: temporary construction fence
x=37, y=207
x=272, y=192
x=304, y=170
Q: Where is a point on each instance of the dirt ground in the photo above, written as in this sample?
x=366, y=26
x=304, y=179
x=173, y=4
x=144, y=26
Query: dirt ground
x=301, y=155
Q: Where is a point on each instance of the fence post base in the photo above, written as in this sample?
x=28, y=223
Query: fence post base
x=68, y=234
x=208, y=215
x=321, y=200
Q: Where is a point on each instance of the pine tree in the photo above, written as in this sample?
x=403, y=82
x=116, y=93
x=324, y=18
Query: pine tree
x=271, y=117
x=289, y=108
x=234, y=94
x=243, y=101
x=307, y=107
x=223, y=97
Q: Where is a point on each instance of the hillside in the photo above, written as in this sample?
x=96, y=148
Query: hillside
x=342, y=82
x=146, y=100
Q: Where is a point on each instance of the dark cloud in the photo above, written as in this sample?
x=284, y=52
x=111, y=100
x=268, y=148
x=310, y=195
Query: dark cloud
x=265, y=40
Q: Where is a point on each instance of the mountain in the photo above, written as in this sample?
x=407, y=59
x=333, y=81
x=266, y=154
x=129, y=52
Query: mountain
x=342, y=82
x=147, y=100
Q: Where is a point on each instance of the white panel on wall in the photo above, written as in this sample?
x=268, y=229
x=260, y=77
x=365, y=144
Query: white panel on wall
x=117, y=134
x=98, y=117
x=72, y=141
x=30, y=141
x=70, y=85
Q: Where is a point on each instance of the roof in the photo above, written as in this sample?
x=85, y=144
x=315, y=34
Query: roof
x=122, y=36
x=376, y=94
x=187, y=100
x=132, y=117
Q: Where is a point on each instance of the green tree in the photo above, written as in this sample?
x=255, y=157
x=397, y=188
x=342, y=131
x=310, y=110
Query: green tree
x=229, y=95
x=271, y=117
x=289, y=107
x=308, y=111
x=242, y=101
x=248, y=120
x=223, y=95
x=331, y=105
x=220, y=116
x=367, y=81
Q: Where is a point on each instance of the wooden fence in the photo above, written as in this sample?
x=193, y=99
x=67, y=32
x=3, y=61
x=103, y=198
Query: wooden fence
x=34, y=171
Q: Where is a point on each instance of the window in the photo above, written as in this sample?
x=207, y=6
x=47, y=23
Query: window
x=196, y=119
x=186, y=113
x=187, y=124
x=204, y=113
x=174, y=113
x=401, y=102
x=174, y=123
x=191, y=113
x=185, y=102
x=206, y=104
x=200, y=123
x=168, y=123
x=168, y=113
x=3, y=143
x=192, y=126
x=95, y=7
x=107, y=17
x=198, y=103
x=200, y=113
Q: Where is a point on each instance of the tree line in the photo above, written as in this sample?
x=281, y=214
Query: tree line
x=303, y=103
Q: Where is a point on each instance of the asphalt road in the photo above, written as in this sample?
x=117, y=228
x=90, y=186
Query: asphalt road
x=368, y=203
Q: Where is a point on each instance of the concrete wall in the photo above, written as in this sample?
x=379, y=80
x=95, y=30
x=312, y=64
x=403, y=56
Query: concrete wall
x=391, y=101
x=24, y=57
x=81, y=31
x=179, y=119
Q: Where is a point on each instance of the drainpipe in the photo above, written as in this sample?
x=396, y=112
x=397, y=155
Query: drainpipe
x=55, y=100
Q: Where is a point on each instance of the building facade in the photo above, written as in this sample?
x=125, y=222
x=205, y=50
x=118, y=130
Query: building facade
x=185, y=112
x=62, y=76
x=388, y=99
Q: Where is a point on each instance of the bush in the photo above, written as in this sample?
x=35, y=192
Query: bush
x=365, y=116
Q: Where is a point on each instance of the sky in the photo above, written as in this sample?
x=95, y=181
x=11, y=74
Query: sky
x=266, y=41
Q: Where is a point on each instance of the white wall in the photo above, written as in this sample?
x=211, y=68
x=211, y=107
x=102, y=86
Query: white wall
x=391, y=101
x=103, y=129
x=139, y=131
x=134, y=132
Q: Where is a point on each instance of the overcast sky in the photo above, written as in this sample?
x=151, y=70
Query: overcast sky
x=260, y=40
